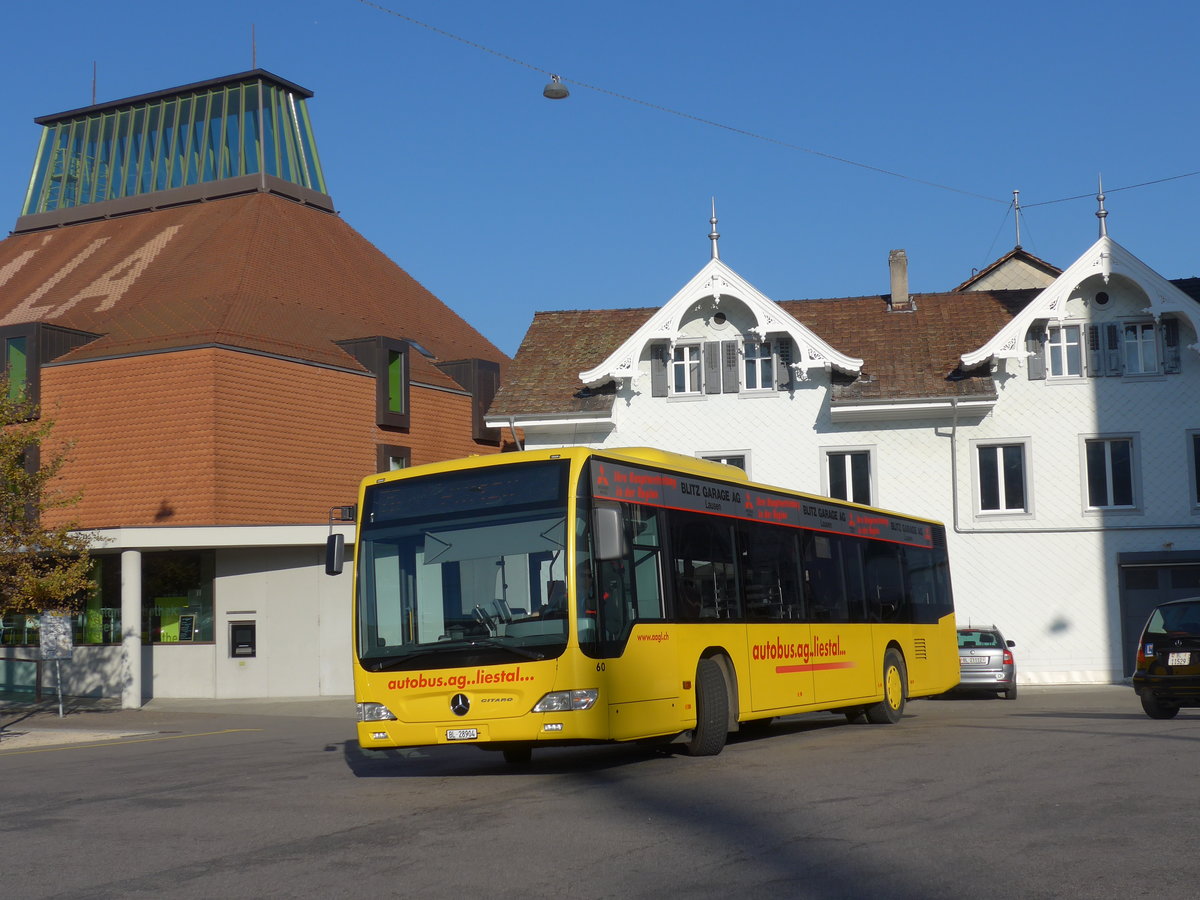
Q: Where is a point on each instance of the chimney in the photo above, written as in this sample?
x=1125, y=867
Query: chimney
x=898, y=266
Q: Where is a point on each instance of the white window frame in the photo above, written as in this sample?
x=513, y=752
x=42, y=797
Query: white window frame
x=1134, y=348
x=1061, y=348
x=692, y=365
x=758, y=365
x=1135, y=487
x=869, y=452
x=1026, y=445
x=724, y=457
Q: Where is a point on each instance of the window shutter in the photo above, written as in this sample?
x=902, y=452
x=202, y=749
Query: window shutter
x=1095, y=354
x=729, y=371
x=1170, y=331
x=1035, y=363
x=711, y=352
x=1112, y=354
x=783, y=363
x=658, y=370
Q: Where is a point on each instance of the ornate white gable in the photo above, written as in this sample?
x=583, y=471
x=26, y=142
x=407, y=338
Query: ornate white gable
x=1104, y=258
x=713, y=283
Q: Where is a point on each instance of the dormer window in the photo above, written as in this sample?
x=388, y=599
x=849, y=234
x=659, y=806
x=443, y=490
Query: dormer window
x=1064, y=351
x=386, y=359
x=1112, y=348
x=720, y=367
x=685, y=370
x=759, y=366
x=1139, y=341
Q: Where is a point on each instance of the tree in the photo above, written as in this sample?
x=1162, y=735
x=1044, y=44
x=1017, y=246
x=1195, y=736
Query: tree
x=41, y=568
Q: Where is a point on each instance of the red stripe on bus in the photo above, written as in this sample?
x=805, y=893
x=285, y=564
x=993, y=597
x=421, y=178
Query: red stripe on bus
x=814, y=667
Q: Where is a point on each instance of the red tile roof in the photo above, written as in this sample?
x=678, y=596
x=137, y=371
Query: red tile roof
x=256, y=271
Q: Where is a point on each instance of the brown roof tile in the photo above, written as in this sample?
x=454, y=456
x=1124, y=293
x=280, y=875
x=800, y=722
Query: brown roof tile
x=909, y=354
x=256, y=271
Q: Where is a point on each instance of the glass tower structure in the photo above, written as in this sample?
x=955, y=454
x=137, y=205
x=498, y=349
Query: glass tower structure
x=251, y=129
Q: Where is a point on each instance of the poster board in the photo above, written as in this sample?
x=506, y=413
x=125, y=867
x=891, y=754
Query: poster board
x=54, y=634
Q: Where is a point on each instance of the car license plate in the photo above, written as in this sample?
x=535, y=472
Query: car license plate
x=462, y=734
x=1179, y=659
x=974, y=660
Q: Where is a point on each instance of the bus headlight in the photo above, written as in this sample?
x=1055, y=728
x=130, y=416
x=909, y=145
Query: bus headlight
x=374, y=712
x=565, y=701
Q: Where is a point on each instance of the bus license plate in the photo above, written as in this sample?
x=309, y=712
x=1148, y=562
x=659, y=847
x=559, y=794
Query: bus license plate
x=1179, y=659
x=462, y=734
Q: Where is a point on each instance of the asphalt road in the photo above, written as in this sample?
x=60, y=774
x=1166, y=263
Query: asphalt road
x=1065, y=792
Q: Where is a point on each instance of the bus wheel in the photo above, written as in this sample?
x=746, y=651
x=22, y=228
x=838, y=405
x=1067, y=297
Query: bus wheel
x=712, y=711
x=888, y=710
x=518, y=756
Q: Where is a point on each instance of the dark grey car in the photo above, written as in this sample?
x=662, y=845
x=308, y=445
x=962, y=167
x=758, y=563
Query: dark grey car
x=986, y=662
x=1167, y=673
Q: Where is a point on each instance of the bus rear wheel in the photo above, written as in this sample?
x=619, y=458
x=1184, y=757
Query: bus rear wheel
x=712, y=711
x=889, y=710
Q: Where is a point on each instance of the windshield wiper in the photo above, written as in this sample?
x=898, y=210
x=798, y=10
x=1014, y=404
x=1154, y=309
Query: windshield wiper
x=378, y=664
x=519, y=651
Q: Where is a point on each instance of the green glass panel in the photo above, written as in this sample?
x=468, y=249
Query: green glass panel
x=395, y=376
x=16, y=364
x=172, y=142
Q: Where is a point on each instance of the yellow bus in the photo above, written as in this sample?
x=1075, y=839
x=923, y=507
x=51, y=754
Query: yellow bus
x=566, y=596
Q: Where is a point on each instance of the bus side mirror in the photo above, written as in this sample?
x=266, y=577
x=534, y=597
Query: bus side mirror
x=607, y=532
x=335, y=554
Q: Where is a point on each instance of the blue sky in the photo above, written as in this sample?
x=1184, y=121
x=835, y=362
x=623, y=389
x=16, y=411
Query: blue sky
x=501, y=202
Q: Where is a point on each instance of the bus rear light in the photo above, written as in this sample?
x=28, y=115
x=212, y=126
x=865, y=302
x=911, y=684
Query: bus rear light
x=566, y=701
x=374, y=712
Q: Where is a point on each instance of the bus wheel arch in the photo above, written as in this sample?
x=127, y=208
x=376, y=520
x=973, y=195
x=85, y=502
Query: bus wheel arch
x=895, y=689
x=715, y=704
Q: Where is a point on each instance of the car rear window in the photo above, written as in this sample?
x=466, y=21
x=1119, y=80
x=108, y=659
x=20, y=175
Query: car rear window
x=1175, y=618
x=969, y=638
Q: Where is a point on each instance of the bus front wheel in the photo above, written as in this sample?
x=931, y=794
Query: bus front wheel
x=889, y=710
x=712, y=711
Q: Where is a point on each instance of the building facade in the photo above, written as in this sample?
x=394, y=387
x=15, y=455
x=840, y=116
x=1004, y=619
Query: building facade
x=225, y=359
x=1051, y=418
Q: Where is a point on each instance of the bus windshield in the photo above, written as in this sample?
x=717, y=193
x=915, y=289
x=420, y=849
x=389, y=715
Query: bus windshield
x=463, y=569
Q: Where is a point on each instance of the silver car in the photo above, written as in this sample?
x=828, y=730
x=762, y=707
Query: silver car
x=986, y=662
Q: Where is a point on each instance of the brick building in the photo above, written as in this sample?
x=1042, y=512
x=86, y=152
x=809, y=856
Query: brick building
x=227, y=358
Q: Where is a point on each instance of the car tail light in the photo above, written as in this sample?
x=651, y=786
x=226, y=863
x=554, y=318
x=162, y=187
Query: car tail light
x=1008, y=657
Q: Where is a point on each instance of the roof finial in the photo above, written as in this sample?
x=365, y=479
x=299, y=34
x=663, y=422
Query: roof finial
x=1017, y=216
x=713, y=235
x=1101, y=213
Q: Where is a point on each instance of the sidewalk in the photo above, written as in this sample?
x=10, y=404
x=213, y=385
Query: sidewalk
x=25, y=724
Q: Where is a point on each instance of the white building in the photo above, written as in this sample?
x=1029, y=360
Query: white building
x=1055, y=428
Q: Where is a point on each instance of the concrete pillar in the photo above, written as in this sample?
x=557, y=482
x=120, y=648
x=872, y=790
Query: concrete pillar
x=131, y=629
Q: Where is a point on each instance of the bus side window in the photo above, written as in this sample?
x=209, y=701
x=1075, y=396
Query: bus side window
x=824, y=579
x=768, y=559
x=704, y=568
x=885, y=582
x=647, y=562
